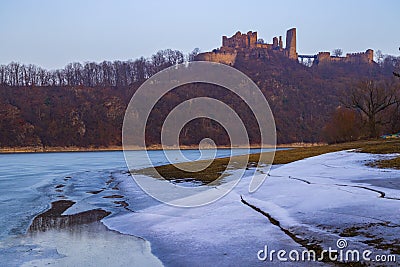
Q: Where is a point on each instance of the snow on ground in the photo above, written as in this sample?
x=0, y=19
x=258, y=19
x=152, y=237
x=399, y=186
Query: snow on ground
x=319, y=199
x=335, y=195
x=226, y=232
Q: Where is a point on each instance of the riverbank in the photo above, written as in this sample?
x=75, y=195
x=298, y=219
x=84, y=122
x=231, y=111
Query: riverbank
x=7, y=150
x=11, y=150
x=218, y=166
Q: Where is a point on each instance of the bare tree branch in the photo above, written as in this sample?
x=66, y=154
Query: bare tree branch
x=371, y=99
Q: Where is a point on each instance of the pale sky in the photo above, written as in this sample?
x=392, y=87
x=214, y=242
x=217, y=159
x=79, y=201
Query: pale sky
x=52, y=33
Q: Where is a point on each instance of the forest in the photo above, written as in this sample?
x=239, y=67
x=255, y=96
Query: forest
x=92, y=74
x=83, y=105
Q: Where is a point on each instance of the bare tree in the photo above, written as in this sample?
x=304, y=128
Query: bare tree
x=371, y=99
x=14, y=68
x=396, y=73
x=3, y=74
x=379, y=57
x=343, y=126
x=92, y=74
x=193, y=54
x=140, y=69
x=337, y=52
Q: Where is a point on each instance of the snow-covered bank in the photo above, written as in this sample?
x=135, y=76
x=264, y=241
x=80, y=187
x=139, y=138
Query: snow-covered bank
x=318, y=199
x=224, y=232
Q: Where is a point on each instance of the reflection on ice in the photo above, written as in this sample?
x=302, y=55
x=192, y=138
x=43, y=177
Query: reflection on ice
x=84, y=245
x=54, y=218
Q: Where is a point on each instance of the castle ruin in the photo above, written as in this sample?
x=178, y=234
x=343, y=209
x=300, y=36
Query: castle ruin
x=356, y=58
x=250, y=46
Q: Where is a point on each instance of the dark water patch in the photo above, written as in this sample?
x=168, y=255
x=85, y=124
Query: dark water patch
x=53, y=218
x=123, y=204
x=113, y=196
x=95, y=192
x=380, y=243
x=301, y=180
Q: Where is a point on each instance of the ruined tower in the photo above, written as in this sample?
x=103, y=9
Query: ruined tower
x=291, y=44
x=369, y=55
x=240, y=40
x=252, y=39
x=275, y=43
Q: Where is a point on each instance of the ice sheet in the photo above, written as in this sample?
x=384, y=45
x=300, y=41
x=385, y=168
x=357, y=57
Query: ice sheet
x=318, y=199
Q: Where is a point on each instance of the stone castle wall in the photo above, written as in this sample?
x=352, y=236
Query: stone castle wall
x=223, y=57
x=355, y=58
x=248, y=45
x=240, y=40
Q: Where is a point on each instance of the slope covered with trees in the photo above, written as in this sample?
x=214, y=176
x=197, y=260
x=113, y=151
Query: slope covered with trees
x=83, y=104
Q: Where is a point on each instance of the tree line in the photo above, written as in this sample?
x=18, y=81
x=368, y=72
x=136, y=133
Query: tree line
x=91, y=74
x=119, y=73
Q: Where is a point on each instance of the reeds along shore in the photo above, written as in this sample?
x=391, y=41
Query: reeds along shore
x=120, y=148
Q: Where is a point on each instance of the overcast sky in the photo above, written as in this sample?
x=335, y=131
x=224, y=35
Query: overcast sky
x=53, y=33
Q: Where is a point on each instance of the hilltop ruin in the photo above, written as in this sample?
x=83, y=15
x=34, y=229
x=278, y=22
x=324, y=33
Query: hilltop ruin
x=249, y=46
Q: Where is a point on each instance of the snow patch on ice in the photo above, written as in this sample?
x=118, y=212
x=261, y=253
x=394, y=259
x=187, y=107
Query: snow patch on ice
x=317, y=198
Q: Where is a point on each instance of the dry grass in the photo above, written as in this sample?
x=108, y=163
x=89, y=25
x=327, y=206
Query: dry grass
x=369, y=146
x=387, y=163
x=209, y=174
x=384, y=147
x=218, y=166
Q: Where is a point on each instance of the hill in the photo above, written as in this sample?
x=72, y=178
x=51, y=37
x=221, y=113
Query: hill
x=89, y=114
